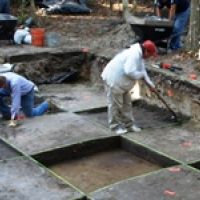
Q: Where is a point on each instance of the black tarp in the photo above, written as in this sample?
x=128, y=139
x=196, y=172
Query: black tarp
x=65, y=6
x=7, y=26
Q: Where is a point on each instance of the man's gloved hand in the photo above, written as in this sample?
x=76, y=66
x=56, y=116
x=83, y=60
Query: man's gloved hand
x=12, y=123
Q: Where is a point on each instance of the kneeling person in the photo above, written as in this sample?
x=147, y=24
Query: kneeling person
x=21, y=92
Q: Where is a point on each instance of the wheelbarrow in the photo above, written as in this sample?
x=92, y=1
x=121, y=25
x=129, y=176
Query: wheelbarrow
x=159, y=31
x=7, y=26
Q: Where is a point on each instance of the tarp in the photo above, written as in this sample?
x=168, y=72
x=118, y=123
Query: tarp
x=65, y=6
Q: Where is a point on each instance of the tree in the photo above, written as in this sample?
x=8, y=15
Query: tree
x=193, y=37
x=126, y=13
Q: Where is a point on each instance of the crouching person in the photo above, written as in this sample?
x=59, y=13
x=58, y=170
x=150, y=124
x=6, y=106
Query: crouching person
x=119, y=76
x=21, y=92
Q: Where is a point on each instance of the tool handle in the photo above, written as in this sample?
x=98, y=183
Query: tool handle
x=165, y=103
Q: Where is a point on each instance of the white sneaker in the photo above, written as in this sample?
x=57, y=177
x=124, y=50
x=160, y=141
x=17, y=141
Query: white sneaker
x=121, y=131
x=134, y=128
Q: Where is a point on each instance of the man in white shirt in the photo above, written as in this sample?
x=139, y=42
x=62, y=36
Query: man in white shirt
x=119, y=76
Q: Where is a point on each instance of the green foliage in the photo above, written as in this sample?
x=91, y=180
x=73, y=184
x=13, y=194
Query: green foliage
x=22, y=11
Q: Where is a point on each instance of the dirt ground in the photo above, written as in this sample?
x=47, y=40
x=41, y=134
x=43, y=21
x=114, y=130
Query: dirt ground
x=6, y=151
x=95, y=171
x=30, y=181
x=104, y=31
x=162, y=185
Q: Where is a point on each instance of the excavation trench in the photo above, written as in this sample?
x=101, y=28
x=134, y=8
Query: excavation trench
x=75, y=143
x=80, y=66
x=94, y=164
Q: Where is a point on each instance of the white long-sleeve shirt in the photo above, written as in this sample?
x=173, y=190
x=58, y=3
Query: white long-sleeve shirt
x=17, y=86
x=126, y=67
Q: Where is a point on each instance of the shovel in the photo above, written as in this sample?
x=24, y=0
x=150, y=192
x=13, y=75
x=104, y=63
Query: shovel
x=174, y=116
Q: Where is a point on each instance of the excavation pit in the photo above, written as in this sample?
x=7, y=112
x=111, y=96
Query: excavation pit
x=196, y=165
x=95, y=164
x=155, y=117
x=50, y=131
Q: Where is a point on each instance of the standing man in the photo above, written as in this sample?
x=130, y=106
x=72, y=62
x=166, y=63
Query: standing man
x=119, y=76
x=21, y=91
x=5, y=6
x=179, y=12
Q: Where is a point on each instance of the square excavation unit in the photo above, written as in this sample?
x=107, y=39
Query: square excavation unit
x=97, y=163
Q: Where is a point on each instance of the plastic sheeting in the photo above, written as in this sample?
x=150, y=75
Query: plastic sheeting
x=65, y=6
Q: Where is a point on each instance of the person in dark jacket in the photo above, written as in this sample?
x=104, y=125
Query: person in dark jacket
x=5, y=6
x=179, y=12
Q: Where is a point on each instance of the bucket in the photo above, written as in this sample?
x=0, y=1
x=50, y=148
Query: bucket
x=52, y=39
x=38, y=35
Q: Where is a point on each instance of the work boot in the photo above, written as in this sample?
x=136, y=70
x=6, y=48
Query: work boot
x=135, y=128
x=52, y=108
x=120, y=131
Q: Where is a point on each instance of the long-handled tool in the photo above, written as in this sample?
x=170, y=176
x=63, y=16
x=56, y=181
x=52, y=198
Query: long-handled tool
x=174, y=116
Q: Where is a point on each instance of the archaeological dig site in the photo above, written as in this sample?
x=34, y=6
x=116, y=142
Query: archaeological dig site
x=99, y=100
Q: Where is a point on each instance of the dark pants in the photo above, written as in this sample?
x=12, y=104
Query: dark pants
x=27, y=104
x=5, y=6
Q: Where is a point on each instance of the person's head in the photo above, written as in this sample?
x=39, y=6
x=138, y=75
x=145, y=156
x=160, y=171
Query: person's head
x=149, y=49
x=2, y=81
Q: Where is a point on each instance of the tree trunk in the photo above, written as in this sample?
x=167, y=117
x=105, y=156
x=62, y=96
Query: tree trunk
x=32, y=3
x=193, y=37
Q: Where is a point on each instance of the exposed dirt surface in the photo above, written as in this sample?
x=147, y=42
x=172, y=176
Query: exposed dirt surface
x=30, y=181
x=154, y=116
x=180, y=183
x=104, y=32
x=74, y=97
x=6, y=151
x=61, y=129
x=180, y=142
x=51, y=131
x=101, y=169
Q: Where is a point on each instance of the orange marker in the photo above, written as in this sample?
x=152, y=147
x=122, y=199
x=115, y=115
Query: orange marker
x=170, y=193
x=87, y=97
x=193, y=76
x=174, y=169
x=85, y=50
x=170, y=93
x=187, y=144
x=21, y=117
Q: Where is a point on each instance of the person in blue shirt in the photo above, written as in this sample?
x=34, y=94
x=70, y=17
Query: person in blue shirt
x=21, y=91
x=179, y=12
x=5, y=6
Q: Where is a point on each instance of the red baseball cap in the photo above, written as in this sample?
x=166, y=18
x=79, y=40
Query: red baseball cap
x=150, y=47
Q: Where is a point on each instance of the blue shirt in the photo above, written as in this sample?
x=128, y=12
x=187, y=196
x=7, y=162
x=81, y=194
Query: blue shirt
x=181, y=5
x=17, y=86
